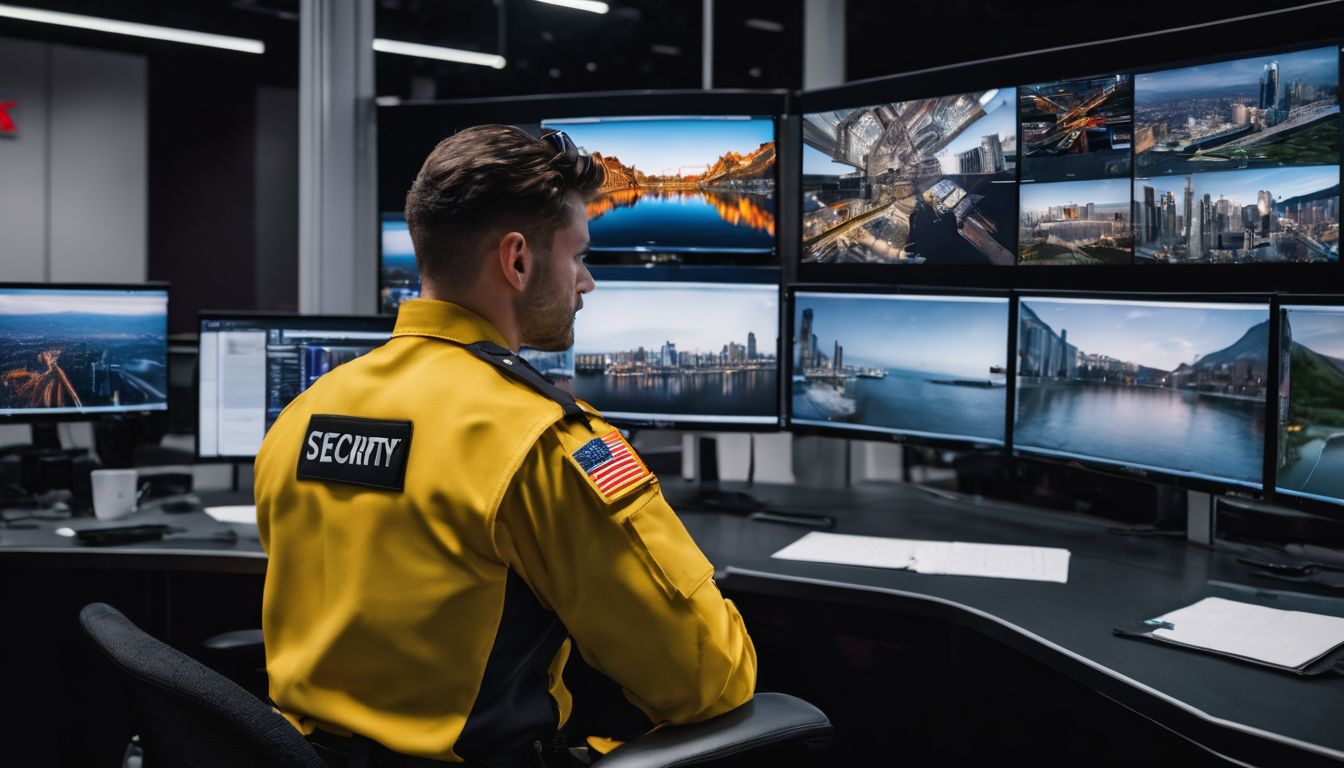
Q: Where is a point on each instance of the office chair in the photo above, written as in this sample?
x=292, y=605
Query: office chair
x=192, y=716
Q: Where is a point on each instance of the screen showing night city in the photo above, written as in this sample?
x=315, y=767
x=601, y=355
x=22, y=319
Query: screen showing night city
x=83, y=350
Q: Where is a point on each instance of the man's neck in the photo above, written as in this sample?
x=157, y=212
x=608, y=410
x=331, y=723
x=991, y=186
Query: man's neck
x=503, y=319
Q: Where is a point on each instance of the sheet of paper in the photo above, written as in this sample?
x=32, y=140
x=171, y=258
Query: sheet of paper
x=932, y=557
x=1287, y=638
x=245, y=514
x=998, y=561
x=844, y=549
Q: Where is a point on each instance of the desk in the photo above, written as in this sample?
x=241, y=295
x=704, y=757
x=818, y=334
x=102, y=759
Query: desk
x=1257, y=716
x=1251, y=715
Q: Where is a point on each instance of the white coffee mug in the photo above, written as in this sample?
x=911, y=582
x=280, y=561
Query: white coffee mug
x=113, y=492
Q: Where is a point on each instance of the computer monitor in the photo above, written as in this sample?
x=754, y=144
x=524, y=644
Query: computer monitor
x=928, y=181
x=252, y=364
x=677, y=354
x=1157, y=387
x=895, y=366
x=1311, y=400
x=68, y=351
x=398, y=276
x=681, y=185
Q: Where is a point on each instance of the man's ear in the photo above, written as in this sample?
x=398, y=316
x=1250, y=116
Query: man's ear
x=515, y=260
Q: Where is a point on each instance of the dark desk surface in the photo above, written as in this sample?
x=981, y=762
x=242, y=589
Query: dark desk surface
x=1250, y=714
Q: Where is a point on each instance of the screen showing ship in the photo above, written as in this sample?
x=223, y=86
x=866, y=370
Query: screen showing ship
x=924, y=366
x=83, y=350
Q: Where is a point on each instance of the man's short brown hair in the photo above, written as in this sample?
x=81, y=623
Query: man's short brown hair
x=483, y=182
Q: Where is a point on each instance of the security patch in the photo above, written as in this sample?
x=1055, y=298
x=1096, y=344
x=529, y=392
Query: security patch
x=610, y=463
x=355, y=451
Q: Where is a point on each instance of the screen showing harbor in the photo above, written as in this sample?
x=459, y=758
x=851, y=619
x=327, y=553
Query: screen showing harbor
x=1311, y=402
x=924, y=366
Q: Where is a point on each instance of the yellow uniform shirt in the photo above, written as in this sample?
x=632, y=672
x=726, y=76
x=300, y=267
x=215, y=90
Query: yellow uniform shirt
x=435, y=618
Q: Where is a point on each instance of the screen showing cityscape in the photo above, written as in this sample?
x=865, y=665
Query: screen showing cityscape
x=679, y=352
x=1076, y=129
x=1169, y=387
x=1261, y=112
x=398, y=276
x=680, y=184
x=1260, y=215
x=926, y=181
x=1075, y=222
x=66, y=350
x=926, y=366
x=251, y=366
x=1311, y=402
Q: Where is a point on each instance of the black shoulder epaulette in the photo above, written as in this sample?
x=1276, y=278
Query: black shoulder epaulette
x=515, y=366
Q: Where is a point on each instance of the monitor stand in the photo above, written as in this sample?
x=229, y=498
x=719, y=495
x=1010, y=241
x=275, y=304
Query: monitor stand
x=711, y=497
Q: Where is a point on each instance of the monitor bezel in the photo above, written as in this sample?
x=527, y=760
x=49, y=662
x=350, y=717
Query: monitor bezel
x=884, y=435
x=1312, y=504
x=37, y=417
x=702, y=274
x=1220, y=486
x=259, y=316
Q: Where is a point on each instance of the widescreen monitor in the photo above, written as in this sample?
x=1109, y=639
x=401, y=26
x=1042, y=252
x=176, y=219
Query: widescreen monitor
x=1311, y=402
x=71, y=350
x=928, y=181
x=252, y=365
x=923, y=366
x=681, y=185
x=1163, y=387
x=671, y=353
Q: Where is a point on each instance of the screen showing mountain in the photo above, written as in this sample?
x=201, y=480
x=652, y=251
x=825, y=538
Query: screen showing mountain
x=1311, y=402
x=692, y=189
x=1164, y=386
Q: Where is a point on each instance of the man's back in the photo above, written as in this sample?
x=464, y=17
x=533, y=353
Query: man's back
x=431, y=613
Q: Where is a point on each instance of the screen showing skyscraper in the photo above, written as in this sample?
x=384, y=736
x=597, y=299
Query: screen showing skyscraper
x=1164, y=386
x=1259, y=215
x=925, y=181
x=1077, y=129
x=1258, y=112
x=925, y=366
x=82, y=350
x=1311, y=402
x=679, y=352
x=679, y=185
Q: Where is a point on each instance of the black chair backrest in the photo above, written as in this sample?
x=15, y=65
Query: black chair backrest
x=188, y=714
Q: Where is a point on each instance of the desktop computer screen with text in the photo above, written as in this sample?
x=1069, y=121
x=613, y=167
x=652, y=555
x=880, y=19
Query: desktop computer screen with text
x=1167, y=387
x=67, y=351
x=663, y=352
x=919, y=365
x=252, y=366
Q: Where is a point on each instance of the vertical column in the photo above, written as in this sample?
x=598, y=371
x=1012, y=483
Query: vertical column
x=823, y=43
x=337, y=170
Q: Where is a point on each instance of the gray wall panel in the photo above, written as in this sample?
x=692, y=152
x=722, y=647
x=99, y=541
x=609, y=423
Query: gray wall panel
x=23, y=161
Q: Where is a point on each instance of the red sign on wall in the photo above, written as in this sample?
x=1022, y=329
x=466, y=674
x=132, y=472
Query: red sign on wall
x=7, y=127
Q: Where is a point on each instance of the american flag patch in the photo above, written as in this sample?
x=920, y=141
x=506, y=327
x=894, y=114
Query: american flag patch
x=610, y=463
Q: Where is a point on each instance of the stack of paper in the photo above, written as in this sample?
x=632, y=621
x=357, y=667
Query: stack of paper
x=955, y=558
x=1284, y=638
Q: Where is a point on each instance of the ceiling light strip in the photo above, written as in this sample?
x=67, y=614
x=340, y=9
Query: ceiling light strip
x=241, y=44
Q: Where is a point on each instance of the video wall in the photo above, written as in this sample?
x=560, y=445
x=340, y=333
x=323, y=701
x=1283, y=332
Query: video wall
x=1230, y=161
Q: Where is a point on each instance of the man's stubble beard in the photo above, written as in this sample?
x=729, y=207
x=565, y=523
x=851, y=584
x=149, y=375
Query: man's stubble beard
x=547, y=316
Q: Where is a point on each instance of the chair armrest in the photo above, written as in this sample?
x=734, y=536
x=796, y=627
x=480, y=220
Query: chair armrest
x=240, y=639
x=769, y=719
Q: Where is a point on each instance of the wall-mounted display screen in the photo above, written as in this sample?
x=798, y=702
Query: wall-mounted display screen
x=82, y=350
x=1171, y=387
x=398, y=276
x=679, y=352
x=925, y=366
x=1075, y=222
x=1076, y=129
x=930, y=181
x=680, y=184
x=1311, y=402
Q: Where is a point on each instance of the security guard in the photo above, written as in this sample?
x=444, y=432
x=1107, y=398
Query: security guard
x=445, y=527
